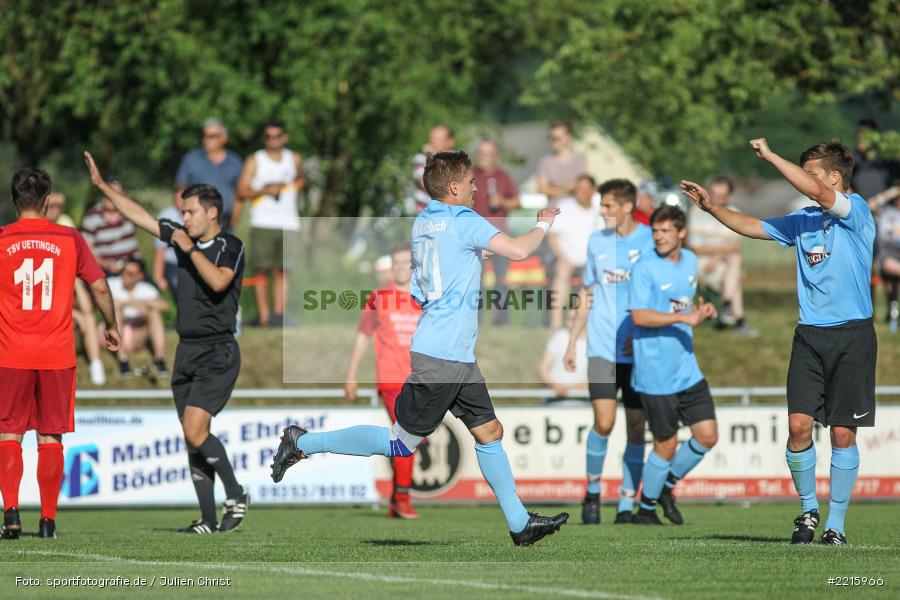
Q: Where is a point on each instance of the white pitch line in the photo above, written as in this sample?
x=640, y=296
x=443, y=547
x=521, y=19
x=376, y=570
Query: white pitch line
x=528, y=589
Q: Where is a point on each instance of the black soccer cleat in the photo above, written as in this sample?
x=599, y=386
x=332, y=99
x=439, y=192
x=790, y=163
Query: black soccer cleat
x=670, y=510
x=199, y=527
x=805, y=528
x=12, y=524
x=538, y=527
x=833, y=537
x=46, y=528
x=233, y=512
x=645, y=517
x=590, y=509
x=623, y=516
x=287, y=454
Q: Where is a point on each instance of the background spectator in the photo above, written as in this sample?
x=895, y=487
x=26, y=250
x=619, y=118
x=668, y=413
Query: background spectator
x=552, y=368
x=496, y=194
x=56, y=206
x=557, y=172
x=719, y=262
x=647, y=197
x=440, y=139
x=270, y=180
x=83, y=307
x=214, y=164
x=109, y=234
x=139, y=309
x=872, y=174
x=578, y=218
x=886, y=207
x=165, y=262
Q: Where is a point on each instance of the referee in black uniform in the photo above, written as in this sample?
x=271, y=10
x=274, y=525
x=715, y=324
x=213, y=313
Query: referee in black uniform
x=208, y=360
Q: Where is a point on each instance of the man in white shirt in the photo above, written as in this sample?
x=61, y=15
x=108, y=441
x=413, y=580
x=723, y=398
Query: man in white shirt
x=139, y=309
x=271, y=179
x=578, y=219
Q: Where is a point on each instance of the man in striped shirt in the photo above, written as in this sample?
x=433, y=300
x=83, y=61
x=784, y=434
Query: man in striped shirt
x=109, y=234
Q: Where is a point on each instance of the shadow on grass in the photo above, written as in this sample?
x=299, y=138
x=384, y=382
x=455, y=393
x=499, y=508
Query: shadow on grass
x=396, y=543
x=747, y=538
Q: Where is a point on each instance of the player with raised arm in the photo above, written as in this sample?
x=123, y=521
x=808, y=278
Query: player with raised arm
x=831, y=377
x=673, y=390
x=390, y=315
x=39, y=262
x=448, y=240
x=603, y=308
x=208, y=359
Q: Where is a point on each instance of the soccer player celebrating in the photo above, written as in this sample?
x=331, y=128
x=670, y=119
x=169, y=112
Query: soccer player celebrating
x=673, y=390
x=39, y=262
x=208, y=359
x=603, y=306
x=831, y=378
x=391, y=314
x=448, y=240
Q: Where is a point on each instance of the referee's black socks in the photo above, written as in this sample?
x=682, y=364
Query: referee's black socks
x=214, y=453
x=203, y=475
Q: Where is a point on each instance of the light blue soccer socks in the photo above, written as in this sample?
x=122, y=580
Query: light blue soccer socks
x=689, y=455
x=360, y=440
x=803, y=469
x=632, y=468
x=596, y=454
x=655, y=472
x=496, y=471
x=844, y=467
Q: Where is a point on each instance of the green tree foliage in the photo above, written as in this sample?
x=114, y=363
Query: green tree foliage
x=358, y=82
x=675, y=81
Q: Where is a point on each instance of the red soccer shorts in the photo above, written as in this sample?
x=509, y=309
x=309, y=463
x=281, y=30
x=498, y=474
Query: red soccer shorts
x=37, y=399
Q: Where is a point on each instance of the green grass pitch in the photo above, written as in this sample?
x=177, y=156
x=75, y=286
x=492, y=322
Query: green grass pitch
x=725, y=551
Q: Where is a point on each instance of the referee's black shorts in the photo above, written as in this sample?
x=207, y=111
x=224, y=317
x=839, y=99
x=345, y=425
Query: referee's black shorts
x=605, y=379
x=204, y=373
x=436, y=386
x=832, y=374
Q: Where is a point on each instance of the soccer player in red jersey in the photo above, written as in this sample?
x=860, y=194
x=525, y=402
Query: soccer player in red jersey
x=39, y=262
x=391, y=315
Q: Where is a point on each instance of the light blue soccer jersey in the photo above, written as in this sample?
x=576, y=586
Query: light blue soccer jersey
x=834, y=261
x=447, y=242
x=610, y=259
x=664, y=361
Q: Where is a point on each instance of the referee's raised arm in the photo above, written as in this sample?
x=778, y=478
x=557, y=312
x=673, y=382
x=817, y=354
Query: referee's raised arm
x=130, y=209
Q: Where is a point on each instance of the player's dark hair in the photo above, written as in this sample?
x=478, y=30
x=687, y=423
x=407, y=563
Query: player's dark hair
x=728, y=181
x=867, y=123
x=276, y=123
x=442, y=169
x=207, y=195
x=400, y=248
x=587, y=178
x=138, y=262
x=834, y=156
x=668, y=212
x=621, y=190
x=29, y=188
x=564, y=124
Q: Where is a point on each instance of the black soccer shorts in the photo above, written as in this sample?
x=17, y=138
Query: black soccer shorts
x=605, y=379
x=436, y=386
x=666, y=412
x=204, y=374
x=832, y=374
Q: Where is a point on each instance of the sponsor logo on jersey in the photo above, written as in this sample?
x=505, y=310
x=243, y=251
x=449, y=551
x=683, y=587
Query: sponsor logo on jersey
x=617, y=276
x=816, y=256
x=634, y=254
x=682, y=304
